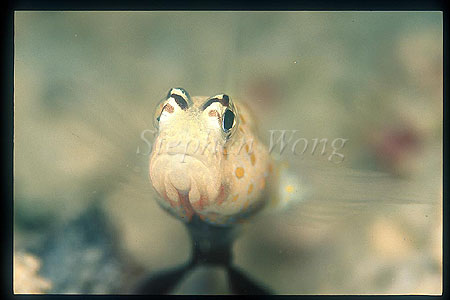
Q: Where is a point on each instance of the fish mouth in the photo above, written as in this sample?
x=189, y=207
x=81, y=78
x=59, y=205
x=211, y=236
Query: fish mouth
x=184, y=181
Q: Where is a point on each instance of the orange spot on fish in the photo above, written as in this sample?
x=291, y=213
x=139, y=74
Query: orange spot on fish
x=239, y=172
x=250, y=188
x=289, y=189
x=246, y=148
x=212, y=113
x=235, y=198
x=242, y=119
x=252, y=158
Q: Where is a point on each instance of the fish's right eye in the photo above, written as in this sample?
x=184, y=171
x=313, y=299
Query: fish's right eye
x=228, y=120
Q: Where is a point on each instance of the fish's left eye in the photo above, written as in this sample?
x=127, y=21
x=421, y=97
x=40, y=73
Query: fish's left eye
x=228, y=120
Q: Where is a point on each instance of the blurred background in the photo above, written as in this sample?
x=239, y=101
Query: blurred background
x=86, y=86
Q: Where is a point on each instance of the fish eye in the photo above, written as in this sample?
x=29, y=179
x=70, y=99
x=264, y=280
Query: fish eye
x=228, y=120
x=177, y=99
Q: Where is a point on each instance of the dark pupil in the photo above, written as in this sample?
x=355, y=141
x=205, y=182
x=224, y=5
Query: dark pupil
x=228, y=120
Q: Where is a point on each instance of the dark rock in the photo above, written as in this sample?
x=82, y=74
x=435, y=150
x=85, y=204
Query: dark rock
x=83, y=257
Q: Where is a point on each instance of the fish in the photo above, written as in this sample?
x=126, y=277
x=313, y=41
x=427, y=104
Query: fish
x=208, y=161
